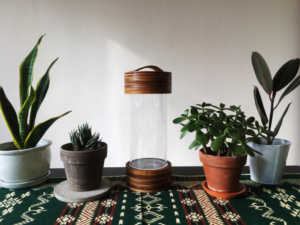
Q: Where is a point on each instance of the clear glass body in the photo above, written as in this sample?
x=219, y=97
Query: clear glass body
x=148, y=131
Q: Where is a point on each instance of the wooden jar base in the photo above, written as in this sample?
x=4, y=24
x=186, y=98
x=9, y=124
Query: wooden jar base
x=148, y=181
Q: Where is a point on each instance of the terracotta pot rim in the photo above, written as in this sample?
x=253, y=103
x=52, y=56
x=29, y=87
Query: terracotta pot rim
x=82, y=152
x=223, y=157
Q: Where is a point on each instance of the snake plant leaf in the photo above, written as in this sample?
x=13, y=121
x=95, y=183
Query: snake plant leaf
x=179, y=119
x=290, y=88
x=201, y=137
x=236, y=149
x=247, y=148
x=285, y=74
x=262, y=72
x=23, y=115
x=194, y=111
x=10, y=117
x=277, y=128
x=41, y=91
x=183, y=134
x=39, y=130
x=260, y=107
x=218, y=143
x=26, y=72
x=193, y=144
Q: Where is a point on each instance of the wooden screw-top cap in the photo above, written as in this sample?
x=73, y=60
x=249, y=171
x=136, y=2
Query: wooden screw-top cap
x=148, y=82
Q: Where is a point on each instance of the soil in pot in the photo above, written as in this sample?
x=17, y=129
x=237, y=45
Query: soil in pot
x=222, y=173
x=83, y=168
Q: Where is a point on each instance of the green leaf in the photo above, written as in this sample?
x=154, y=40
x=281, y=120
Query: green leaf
x=250, y=132
x=185, y=127
x=222, y=106
x=250, y=119
x=236, y=149
x=277, y=128
x=213, y=131
x=183, y=134
x=186, y=112
x=262, y=72
x=194, y=111
x=285, y=74
x=202, y=138
x=195, y=116
x=268, y=132
x=26, y=72
x=260, y=107
x=219, y=126
x=192, y=127
x=179, y=119
x=236, y=124
x=202, y=122
x=218, y=143
x=234, y=135
x=290, y=88
x=23, y=115
x=256, y=140
x=39, y=130
x=193, y=144
x=10, y=117
x=247, y=148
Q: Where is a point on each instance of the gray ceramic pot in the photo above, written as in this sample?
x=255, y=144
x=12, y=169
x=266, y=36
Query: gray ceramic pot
x=17, y=166
x=83, y=168
x=268, y=168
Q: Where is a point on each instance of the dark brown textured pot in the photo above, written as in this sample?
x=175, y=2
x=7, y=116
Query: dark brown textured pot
x=222, y=173
x=83, y=168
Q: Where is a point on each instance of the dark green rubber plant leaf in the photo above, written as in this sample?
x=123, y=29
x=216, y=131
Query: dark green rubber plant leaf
x=236, y=149
x=277, y=128
x=290, y=88
x=285, y=74
x=202, y=138
x=218, y=143
x=39, y=130
x=23, y=115
x=179, y=119
x=260, y=107
x=262, y=72
x=41, y=91
x=10, y=117
x=193, y=144
x=247, y=148
x=213, y=131
x=26, y=72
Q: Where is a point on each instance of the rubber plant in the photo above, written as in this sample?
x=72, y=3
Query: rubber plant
x=27, y=135
x=226, y=129
x=285, y=76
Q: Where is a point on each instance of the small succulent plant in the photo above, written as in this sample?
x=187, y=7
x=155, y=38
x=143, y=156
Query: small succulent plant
x=82, y=138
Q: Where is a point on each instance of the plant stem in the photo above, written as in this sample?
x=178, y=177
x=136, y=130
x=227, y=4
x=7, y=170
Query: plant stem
x=228, y=152
x=204, y=148
x=271, y=115
x=219, y=153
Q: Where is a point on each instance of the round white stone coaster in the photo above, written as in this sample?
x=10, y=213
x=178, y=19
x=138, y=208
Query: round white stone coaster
x=63, y=193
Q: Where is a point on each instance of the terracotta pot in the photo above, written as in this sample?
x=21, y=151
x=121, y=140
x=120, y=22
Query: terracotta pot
x=222, y=173
x=83, y=168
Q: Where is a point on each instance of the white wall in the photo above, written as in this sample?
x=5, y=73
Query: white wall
x=205, y=44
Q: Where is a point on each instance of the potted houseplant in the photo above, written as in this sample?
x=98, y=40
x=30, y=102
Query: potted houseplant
x=268, y=168
x=83, y=159
x=222, y=133
x=25, y=161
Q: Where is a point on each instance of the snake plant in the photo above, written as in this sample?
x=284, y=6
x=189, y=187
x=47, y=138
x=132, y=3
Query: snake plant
x=83, y=139
x=227, y=129
x=27, y=135
x=284, y=76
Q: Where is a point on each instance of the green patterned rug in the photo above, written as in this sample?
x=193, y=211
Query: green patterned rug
x=185, y=203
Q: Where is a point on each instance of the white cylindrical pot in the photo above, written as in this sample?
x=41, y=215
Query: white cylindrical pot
x=268, y=168
x=148, y=131
x=17, y=166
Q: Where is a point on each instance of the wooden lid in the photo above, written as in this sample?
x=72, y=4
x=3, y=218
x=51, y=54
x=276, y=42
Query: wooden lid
x=148, y=82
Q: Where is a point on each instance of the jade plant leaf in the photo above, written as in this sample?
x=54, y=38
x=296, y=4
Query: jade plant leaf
x=186, y=112
x=213, y=131
x=277, y=128
x=193, y=144
x=247, y=148
x=260, y=107
x=39, y=130
x=285, y=74
x=10, y=117
x=201, y=137
x=236, y=149
x=262, y=72
x=26, y=72
x=192, y=127
x=290, y=88
x=194, y=111
x=218, y=143
x=179, y=119
x=183, y=134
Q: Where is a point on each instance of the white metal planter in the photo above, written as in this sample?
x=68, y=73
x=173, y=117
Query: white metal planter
x=268, y=168
x=24, y=168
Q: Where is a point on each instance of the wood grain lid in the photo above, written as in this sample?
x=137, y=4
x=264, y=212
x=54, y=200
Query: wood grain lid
x=148, y=82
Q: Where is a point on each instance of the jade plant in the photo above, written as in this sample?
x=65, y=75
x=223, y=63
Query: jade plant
x=284, y=76
x=83, y=139
x=27, y=135
x=226, y=129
